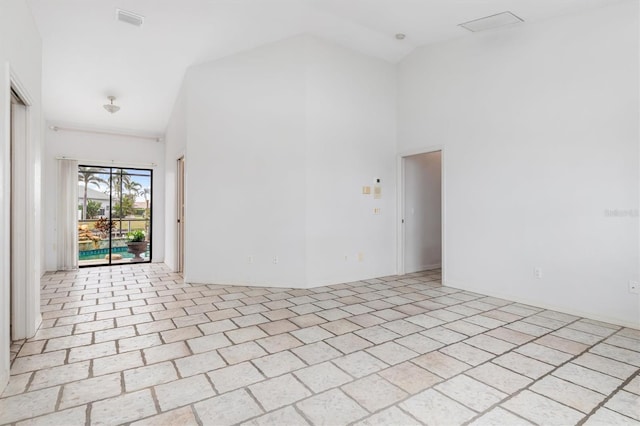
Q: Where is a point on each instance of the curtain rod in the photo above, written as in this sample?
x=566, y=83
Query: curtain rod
x=102, y=132
x=107, y=162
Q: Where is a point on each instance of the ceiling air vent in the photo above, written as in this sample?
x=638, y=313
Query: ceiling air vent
x=129, y=17
x=491, y=22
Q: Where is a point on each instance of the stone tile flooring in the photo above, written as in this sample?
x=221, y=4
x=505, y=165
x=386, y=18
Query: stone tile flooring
x=133, y=344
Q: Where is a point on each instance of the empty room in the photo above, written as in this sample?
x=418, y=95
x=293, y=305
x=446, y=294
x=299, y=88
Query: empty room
x=320, y=212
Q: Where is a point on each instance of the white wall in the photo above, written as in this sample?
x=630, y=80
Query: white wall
x=97, y=149
x=245, y=163
x=20, y=55
x=350, y=135
x=175, y=147
x=280, y=140
x=540, y=129
x=422, y=211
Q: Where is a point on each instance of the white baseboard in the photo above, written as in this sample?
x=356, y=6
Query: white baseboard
x=525, y=301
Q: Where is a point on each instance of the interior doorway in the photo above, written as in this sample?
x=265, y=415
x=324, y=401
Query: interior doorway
x=180, y=214
x=421, y=207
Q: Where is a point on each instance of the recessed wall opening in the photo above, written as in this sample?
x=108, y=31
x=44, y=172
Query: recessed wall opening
x=421, y=206
x=114, y=215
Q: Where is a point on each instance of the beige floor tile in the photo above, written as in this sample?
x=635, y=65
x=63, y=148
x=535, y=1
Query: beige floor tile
x=564, y=345
x=26, y=405
x=322, y=377
x=72, y=416
x=166, y=352
x=242, y=352
x=308, y=320
x=634, y=385
x=587, y=378
x=523, y=365
x=441, y=364
x=311, y=334
x=235, y=377
x=315, y=353
x=402, y=327
x=179, y=334
x=467, y=353
x=619, y=354
x=499, y=377
x=278, y=327
x=625, y=403
x=155, y=326
x=542, y=410
x=500, y=417
x=359, y=364
x=90, y=390
x=511, y=336
x=606, y=417
x=182, y=416
x=283, y=417
x=489, y=344
x=431, y=407
x=32, y=348
x=208, y=343
x=376, y=334
x=279, y=343
x=574, y=396
x=390, y=416
x=410, y=377
x=465, y=328
x=424, y=321
x=228, y=409
x=247, y=334
x=277, y=364
x=217, y=326
x=577, y=336
x=392, y=353
x=331, y=408
x=92, y=351
x=183, y=392
x=373, y=392
x=138, y=342
x=60, y=375
x=200, y=363
x=544, y=354
x=121, y=362
x=142, y=377
x=123, y=409
x=278, y=392
x=17, y=384
x=472, y=393
x=38, y=362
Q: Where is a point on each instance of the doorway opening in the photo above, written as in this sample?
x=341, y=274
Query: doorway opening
x=114, y=215
x=180, y=215
x=421, y=236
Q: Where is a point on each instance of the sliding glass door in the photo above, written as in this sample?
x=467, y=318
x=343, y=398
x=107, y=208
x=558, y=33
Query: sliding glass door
x=114, y=215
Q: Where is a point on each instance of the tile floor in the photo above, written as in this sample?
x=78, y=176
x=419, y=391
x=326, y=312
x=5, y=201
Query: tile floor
x=135, y=345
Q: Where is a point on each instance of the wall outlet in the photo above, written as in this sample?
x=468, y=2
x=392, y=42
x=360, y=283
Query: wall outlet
x=376, y=210
x=537, y=272
x=275, y=260
x=634, y=287
x=360, y=257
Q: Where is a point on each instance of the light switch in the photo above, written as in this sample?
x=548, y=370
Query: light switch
x=366, y=190
x=377, y=192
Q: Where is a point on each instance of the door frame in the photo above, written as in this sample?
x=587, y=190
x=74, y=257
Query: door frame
x=24, y=255
x=401, y=238
x=180, y=212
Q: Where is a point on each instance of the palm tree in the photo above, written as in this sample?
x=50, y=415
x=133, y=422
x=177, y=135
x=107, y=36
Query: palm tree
x=133, y=187
x=89, y=175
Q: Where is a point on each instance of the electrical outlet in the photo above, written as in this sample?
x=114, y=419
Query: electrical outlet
x=376, y=210
x=275, y=260
x=537, y=272
x=634, y=287
x=360, y=257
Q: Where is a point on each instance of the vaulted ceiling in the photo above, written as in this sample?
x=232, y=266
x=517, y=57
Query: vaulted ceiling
x=88, y=54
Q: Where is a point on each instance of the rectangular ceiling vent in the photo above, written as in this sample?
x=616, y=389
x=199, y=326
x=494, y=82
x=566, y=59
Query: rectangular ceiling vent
x=129, y=17
x=491, y=22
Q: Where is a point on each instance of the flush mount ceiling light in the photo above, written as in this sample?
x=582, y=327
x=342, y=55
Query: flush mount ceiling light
x=129, y=17
x=110, y=106
x=491, y=22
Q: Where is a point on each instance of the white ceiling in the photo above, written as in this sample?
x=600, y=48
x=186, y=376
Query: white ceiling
x=88, y=55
